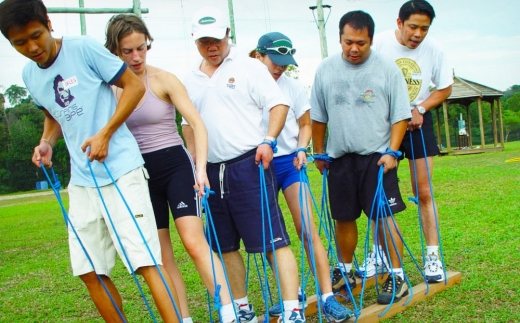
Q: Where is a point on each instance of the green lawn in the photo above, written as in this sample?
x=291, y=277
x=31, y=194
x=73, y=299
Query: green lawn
x=478, y=201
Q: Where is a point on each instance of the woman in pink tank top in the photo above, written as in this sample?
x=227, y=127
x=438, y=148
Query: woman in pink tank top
x=172, y=172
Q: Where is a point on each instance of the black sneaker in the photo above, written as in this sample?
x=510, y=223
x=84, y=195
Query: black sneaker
x=401, y=290
x=338, y=283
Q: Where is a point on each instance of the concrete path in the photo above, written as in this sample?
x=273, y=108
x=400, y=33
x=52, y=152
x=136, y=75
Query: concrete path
x=20, y=196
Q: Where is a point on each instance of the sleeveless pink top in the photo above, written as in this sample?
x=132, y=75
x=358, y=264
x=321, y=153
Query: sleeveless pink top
x=153, y=123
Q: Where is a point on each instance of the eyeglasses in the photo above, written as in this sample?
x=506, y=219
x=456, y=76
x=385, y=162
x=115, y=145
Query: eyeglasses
x=283, y=50
x=211, y=42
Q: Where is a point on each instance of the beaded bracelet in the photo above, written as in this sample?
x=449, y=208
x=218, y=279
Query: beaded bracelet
x=47, y=141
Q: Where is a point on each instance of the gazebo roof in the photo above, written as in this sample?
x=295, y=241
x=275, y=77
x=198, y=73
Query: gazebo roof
x=463, y=88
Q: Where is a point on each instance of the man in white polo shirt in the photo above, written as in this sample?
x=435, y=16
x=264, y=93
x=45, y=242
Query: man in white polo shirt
x=230, y=91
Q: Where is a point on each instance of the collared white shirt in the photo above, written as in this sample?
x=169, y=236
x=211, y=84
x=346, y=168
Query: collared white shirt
x=231, y=103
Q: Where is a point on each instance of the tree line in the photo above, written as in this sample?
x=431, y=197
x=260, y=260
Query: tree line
x=21, y=125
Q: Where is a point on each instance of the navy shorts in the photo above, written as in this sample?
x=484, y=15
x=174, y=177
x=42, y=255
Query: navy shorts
x=172, y=176
x=352, y=185
x=286, y=173
x=236, y=209
x=415, y=148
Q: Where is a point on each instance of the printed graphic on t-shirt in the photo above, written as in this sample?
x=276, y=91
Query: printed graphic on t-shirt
x=64, y=98
x=368, y=95
x=412, y=75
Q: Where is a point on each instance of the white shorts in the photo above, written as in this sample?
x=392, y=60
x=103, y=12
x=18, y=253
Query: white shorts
x=93, y=226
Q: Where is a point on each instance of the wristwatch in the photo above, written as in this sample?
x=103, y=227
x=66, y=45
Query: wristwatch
x=421, y=110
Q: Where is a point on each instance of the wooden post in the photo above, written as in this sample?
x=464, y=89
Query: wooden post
x=494, y=121
x=82, y=21
x=233, y=35
x=446, y=126
x=501, y=122
x=439, y=137
x=136, y=9
x=470, y=139
x=481, y=124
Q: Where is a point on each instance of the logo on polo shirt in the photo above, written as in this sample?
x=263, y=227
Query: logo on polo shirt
x=230, y=84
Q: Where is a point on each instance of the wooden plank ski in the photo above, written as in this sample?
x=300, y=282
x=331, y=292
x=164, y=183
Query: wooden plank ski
x=371, y=313
x=312, y=304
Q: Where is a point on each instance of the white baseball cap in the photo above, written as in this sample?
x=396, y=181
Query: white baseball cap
x=209, y=22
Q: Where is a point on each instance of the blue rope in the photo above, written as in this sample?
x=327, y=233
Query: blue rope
x=210, y=227
x=300, y=149
x=272, y=144
x=177, y=311
x=323, y=157
x=331, y=234
x=265, y=207
x=441, y=250
x=56, y=185
x=121, y=244
x=419, y=217
x=384, y=212
x=306, y=233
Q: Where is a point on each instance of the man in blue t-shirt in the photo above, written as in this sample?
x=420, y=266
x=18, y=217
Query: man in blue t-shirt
x=69, y=80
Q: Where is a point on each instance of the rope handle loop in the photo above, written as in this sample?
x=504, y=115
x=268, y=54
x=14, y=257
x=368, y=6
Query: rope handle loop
x=323, y=156
x=394, y=153
x=301, y=149
x=272, y=144
x=207, y=192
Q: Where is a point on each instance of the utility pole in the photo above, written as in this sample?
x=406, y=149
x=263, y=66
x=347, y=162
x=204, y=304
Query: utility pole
x=233, y=34
x=320, y=23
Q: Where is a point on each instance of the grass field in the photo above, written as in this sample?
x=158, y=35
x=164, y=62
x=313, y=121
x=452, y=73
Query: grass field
x=478, y=201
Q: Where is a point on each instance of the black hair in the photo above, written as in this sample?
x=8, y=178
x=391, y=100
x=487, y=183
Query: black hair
x=358, y=20
x=411, y=7
x=19, y=13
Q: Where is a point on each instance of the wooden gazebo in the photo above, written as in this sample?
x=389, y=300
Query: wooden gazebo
x=464, y=92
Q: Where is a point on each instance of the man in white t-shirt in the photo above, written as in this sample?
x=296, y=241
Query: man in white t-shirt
x=422, y=60
x=230, y=91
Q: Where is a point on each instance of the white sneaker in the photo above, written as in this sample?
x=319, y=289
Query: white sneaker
x=373, y=264
x=246, y=314
x=433, y=269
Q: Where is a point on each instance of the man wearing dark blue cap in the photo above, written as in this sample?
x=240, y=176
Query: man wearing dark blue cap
x=230, y=91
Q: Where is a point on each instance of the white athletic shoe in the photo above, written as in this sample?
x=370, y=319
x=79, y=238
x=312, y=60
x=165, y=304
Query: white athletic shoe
x=433, y=269
x=372, y=265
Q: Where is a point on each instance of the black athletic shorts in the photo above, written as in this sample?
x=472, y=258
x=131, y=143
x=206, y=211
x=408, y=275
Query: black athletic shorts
x=172, y=176
x=413, y=148
x=352, y=185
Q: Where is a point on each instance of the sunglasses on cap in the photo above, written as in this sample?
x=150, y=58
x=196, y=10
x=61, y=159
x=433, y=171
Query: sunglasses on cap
x=283, y=50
